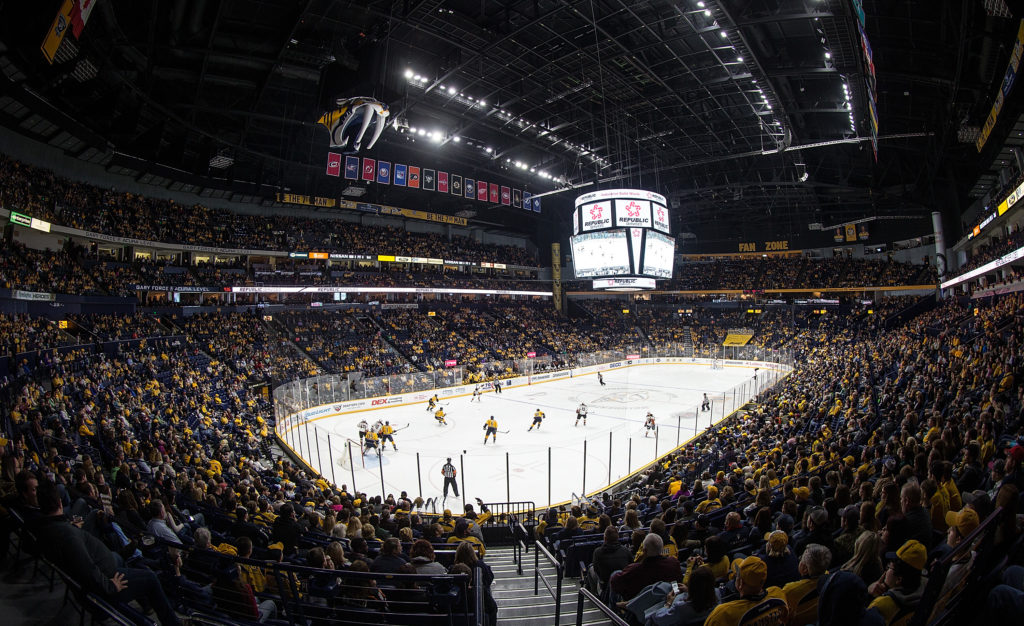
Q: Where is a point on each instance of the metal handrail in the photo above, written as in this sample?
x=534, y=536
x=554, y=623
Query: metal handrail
x=556, y=594
x=601, y=606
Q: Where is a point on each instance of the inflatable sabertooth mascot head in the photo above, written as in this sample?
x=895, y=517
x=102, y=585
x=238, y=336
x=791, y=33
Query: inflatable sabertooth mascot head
x=348, y=123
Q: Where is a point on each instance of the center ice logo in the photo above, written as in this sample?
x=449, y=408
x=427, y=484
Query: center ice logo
x=622, y=397
x=633, y=209
x=596, y=211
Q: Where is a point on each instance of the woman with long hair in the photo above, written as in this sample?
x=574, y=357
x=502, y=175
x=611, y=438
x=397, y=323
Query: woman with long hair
x=692, y=604
x=866, y=561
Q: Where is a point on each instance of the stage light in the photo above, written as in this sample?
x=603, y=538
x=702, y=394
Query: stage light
x=739, y=59
x=456, y=139
x=417, y=77
x=489, y=149
x=451, y=91
x=421, y=132
x=723, y=34
x=408, y=74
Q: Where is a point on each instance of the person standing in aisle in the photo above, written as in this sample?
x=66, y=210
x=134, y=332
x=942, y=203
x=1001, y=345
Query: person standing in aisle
x=581, y=413
x=491, y=426
x=386, y=435
x=538, y=417
x=449, y=472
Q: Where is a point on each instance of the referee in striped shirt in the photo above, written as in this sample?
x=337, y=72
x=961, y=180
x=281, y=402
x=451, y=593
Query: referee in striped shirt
x=448, y=471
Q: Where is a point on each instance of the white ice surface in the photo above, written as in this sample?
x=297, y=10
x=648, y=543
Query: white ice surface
x=616, y=413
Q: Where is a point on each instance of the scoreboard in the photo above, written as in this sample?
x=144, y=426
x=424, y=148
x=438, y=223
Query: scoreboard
x=620, y=233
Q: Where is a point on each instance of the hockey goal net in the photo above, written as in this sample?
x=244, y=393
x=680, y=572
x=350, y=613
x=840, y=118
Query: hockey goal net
x=716, y=364
x=340, y=449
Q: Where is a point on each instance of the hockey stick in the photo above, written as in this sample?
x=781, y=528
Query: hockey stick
x=402, y=428
x=504, y=432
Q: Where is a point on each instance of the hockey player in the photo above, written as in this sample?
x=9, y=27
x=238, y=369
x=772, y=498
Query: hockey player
x=706, y=404
x=497, y=387
x=491, y=428
x=386, y=435
x=600, y=379
x=371, y=443
x=363, y=427
x=432, y=403
x=439, y=416
x=538, y=417
x=377, y=426
x=476, y=394
x=581, y=413
x=649, y=423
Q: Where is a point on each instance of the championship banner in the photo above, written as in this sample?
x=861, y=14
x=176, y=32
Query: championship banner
x=517, y=198
x=333, y=164
x=506, y=195
x=384, y=172
x=400, y=174
x=414, y=177
x=536, y=204
x=470, y=188
x=428, y=180
x=1004, y=89
x=527, y=201
x=481, y=191
x=456, y=185
x=494, y=193
x=352, y=168
x=58, y=29
x=851, y=232
x=369, y=168
x=442, y=182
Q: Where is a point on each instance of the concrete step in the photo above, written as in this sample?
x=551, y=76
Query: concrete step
x=591, y=617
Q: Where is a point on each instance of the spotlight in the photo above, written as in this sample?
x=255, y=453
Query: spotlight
x=451, y=91
x=723, y=34
x=408, y=74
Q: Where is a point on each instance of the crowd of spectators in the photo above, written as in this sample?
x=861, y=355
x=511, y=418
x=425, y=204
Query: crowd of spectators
x=44, y=195
x=250, y=346
x=992, y=250
x=340, y=343
x=870, y=461
x=885, y=446
x=790, y=272
x=43, y=271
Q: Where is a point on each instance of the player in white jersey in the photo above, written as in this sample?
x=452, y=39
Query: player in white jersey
x=363, y=427
x=649, y=423
x=581, y=413
x=476, y=394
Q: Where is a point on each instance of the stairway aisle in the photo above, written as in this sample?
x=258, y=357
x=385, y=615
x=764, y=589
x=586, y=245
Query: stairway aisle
x=516, y=602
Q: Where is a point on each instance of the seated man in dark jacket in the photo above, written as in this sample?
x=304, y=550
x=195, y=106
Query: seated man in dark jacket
x=651, y=569
x=609, y=557
x=390, y=558
x=90, y=563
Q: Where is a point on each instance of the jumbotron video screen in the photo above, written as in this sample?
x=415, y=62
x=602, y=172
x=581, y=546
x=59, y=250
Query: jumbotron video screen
x=622, y=233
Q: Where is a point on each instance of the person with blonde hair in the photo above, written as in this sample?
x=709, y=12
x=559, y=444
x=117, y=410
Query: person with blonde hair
x=866, y=561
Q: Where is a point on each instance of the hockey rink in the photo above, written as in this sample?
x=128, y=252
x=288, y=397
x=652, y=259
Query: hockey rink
x=516, y=467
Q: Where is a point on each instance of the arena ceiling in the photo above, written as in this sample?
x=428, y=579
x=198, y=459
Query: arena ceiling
x=735, y=109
